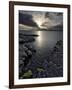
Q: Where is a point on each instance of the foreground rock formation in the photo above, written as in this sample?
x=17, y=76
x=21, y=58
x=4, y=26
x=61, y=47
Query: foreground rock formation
x=52, y=66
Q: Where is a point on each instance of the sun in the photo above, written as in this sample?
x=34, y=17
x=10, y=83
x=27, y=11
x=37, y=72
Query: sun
x=39, y=22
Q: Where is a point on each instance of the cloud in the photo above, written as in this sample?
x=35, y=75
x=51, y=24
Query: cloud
x=40, y=19
x=26, y=27
x=26, y=19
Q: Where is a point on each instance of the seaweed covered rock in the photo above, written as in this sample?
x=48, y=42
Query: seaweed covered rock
x=27, y=74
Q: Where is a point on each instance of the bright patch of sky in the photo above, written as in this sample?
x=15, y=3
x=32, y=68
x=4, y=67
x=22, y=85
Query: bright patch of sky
x=43, y=20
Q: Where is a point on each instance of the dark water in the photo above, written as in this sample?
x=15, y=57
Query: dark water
x=45, y=41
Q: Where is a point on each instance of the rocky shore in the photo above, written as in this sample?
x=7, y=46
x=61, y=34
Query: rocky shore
x=52, y=66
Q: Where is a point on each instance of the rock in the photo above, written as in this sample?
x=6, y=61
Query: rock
x=60, y=43
x=20, y=47
x=41, y=74
x=21, y=69
x=33, y=50
x=40, y=69
x=21, y=62
x=30, y=48
x=21, y=41
x=23, y=58
x=23, y=54
x=60, y=72
x=27, y=74
x=25, y=48
x=29, y=53
x=50, y=64
x=45, y=64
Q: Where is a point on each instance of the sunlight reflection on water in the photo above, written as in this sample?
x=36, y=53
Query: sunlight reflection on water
x=48, y=38
x=39, y=39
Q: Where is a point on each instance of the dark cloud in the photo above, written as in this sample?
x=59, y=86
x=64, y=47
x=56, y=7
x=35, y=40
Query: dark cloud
x=26, y=19
x=43, y=20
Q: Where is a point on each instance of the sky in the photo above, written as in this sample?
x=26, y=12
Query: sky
x=38, y=19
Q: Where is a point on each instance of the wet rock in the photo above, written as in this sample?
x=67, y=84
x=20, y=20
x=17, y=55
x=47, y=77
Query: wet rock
x=27, y=74
x=42, y=74
x=30, y=47
x=23, y=58
x=21, y=62
x=60, y=42
x=23, y=54
x=29, y=53
x=40, y=69
x=25, y=48
x=45, y=64
x=21, y=41
x=21, y=69
x=60, y=72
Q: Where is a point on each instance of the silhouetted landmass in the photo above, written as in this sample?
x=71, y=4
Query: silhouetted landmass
x=28, y=35
x=54, y=28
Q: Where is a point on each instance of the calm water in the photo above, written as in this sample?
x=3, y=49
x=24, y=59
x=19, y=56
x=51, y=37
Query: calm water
x=47, y=39
x=44, y=42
